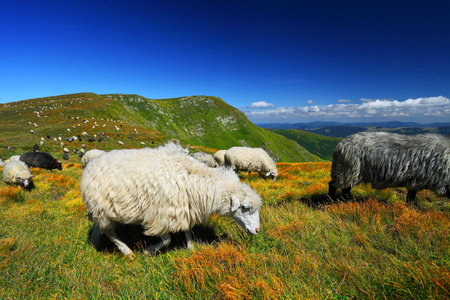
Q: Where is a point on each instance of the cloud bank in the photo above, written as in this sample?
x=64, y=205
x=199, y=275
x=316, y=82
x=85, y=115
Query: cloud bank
x=430, y=109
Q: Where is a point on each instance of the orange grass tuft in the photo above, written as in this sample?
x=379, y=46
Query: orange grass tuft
x=74, y=202
x=222, y=267
x=60, y=180
x=6, y=246
x=11, y=193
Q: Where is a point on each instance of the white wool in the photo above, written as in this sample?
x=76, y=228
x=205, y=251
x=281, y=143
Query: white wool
x=219, y=157
x=12, y=158
x=205, y=158
x=90, y=155
x=251, y=160
x=164, y=189
x=14, y=170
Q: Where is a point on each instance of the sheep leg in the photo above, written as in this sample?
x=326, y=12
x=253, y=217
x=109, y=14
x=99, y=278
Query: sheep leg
x=190, y=245
x=346, y=193
x=410, y=196
x=332, y=190
x=126, y=251
x=95, y=237
x=165, y=241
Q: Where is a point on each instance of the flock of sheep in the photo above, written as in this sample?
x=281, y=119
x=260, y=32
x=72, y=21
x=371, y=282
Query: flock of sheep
x=167, y=190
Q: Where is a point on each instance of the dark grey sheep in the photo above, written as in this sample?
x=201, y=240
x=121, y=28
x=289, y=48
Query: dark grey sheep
x=40, y=160
x=389, y=160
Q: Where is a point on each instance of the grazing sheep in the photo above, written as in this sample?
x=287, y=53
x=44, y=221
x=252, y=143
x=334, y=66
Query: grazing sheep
x=251, y=160
x=205, y=158
x=389, y=160
x=17, y=173
x=36, y=148
x=12, y=158
x=42, y=160
x=65, y=156
x=90, y=155
x=66, y=150
x=219, y=157
x=121, y=143
x=166, y=191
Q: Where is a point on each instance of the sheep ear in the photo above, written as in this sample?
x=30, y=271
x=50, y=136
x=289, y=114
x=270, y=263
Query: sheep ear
x=268, y=174
x=235, y=203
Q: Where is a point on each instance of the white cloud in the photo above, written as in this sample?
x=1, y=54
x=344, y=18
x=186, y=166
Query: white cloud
x=428, y=109
x=260, y=104
x=344, y=101
x=310, y=102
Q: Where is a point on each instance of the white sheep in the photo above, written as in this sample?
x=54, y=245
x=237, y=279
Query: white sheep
x=2, y=163
x=219, y=157
x=166, y=191
x=90, y=155
x=17, y=173
x=12, y=158
x=205, y=158
x=251, y=160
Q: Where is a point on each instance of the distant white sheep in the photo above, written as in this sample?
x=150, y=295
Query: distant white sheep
x=12, y=158
x=251, y=160
x=166, y=191
x=219, y=157
x=90, y=155
x=388, y=160
x=205, y=158
x=17, y=173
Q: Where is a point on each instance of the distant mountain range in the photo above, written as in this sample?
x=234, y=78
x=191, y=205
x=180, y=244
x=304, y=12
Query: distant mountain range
x=336, y=129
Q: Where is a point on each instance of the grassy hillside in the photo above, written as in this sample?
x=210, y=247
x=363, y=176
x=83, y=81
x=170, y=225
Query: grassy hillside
x=373, y=247
x=23, y=124
x=319, y=145
x=209, y=121
x=198, y=120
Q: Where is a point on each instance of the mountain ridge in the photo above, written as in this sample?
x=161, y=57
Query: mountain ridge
x=196, y=120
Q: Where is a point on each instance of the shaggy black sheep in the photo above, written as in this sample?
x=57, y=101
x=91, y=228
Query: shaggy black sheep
x=388, y=160
x=42, y=160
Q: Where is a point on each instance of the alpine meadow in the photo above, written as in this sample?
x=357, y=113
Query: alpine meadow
x=373, y=246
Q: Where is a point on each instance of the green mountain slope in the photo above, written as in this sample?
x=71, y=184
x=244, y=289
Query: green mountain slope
x=198, y=120
x=209, y=121
x=319, y=145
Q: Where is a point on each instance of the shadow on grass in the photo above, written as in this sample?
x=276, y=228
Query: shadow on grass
x=134, y=237
x=319, y=201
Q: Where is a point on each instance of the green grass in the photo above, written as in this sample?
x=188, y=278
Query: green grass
x=319, y=145
x=374, y=247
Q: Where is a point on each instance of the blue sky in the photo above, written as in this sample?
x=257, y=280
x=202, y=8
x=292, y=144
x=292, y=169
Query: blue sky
x=278, y=61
